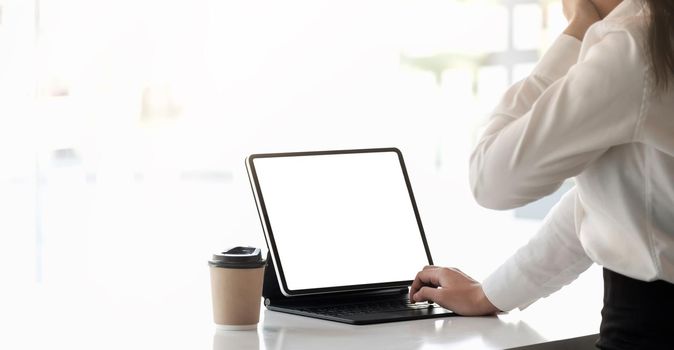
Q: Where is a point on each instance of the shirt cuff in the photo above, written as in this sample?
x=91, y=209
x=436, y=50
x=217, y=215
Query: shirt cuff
x=507, y=288
x=559, y=58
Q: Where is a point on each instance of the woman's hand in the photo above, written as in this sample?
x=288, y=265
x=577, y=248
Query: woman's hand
x=451, y=289
x=581, y=14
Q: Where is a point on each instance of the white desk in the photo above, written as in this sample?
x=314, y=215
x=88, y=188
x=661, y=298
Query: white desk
x=154, y=316
x=282, y=331
x=573, y=312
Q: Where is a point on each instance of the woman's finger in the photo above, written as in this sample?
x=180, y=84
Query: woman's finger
x=427, y=294
x=426, y=277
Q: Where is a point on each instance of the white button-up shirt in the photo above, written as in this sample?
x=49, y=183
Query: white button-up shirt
x=589, y=111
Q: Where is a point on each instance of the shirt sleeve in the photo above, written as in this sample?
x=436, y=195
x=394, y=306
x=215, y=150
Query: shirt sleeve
x=553, y=124
x=553, y=258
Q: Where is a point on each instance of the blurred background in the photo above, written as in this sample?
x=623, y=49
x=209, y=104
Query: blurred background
x=124, y=125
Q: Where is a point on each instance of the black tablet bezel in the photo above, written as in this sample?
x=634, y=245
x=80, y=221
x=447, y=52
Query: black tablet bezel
x=269, y=235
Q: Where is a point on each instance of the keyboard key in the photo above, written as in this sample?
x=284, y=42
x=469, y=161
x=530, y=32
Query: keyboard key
x=367, y=308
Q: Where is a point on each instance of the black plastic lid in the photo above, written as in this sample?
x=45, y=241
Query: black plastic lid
x=239, y=258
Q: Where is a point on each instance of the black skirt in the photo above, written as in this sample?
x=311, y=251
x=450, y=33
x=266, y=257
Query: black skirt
x=636, y=314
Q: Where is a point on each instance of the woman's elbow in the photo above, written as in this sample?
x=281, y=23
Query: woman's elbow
x=495, y=184
x=494, y=190
x=508, y=190
x=494, y=195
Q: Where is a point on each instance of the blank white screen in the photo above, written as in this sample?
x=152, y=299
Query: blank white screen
x=341, y=220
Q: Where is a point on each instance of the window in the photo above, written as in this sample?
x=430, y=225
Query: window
x=126, y=124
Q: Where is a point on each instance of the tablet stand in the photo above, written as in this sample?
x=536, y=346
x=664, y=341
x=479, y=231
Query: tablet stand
x=271, y=292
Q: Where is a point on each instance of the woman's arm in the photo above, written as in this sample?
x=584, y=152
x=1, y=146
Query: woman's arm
x=552, y=259
x=551, y=126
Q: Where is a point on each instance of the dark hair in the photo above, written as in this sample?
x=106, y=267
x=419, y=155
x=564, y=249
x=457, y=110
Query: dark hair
x=659, y=41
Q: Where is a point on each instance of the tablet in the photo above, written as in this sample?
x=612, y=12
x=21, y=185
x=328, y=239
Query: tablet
x=339, y=220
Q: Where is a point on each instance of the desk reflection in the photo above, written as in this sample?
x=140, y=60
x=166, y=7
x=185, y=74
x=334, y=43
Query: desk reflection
x=231, y=340
x=283, y=332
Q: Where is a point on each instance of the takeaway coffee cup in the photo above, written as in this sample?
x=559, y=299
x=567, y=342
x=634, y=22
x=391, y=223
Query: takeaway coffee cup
x=236, y=287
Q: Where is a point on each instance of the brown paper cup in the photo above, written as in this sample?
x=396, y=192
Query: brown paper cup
x=237, y=294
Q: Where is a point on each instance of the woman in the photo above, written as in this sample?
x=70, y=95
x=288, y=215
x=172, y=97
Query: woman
x=598, y=107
